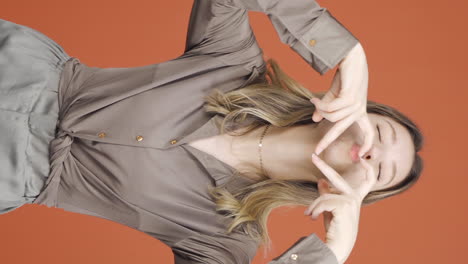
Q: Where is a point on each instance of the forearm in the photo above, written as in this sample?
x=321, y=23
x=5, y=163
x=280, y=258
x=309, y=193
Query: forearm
x=356, y=54
x=338, y=253
x=308, y=28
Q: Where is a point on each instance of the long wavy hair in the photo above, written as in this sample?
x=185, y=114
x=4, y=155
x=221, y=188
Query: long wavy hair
x=276, y=99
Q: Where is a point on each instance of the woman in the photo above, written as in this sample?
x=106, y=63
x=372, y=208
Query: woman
x=142, y=146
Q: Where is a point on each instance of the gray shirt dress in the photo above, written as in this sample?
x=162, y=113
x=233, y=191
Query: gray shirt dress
x=30, y=67
x=119, y=148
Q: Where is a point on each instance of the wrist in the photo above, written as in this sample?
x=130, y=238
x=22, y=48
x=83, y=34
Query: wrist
x=335, y=252
x=340, y=256
x=356, y=54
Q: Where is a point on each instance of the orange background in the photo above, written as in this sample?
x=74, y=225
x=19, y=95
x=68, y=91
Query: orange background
x=416, y=52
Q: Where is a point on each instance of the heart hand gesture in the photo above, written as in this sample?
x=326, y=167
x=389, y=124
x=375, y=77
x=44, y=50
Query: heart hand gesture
x=346, y=101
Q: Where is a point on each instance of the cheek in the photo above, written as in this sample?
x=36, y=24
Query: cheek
x=337, y=153
x=354, y=176
x=355, y=133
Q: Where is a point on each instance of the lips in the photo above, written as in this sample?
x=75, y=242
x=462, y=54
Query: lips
x=354, y=153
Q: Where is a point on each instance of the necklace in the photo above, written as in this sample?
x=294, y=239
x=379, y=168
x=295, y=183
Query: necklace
x=260, y=149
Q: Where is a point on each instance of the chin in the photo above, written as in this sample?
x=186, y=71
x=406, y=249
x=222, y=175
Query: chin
x=337, y=155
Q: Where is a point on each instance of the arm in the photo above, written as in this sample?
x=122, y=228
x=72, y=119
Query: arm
x=238, y=248
x=217, y=248
x=221, y=28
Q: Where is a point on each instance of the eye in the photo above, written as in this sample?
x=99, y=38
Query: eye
x=378, y=129
x=378, y=176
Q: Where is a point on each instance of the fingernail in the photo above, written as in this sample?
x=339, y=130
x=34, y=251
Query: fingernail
x=318, y=151
x=361, y=153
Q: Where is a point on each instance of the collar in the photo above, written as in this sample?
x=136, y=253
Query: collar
x=220, y=171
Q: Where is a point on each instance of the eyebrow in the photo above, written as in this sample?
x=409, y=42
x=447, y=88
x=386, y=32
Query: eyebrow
x=394, y=132
x=394, y=140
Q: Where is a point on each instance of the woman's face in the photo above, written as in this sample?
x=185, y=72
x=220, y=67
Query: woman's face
x=392, y=152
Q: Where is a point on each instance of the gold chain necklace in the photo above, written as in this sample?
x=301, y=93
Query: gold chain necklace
x=260, y=149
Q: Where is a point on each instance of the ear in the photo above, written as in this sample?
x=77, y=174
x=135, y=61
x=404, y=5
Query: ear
x=329, y=188
x=335, y=191
x=323, y=186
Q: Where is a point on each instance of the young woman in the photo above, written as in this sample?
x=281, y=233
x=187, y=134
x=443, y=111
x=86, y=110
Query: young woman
x=197, y=151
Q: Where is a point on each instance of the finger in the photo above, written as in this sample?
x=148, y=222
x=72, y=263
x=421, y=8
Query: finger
x=370, y=180
x=334, y=105
x=315, y=202
x=328, y=205
x=368, y=131
x=339, y=114
x=327, y=217
x=317, y=117
x=335, y=179
x=335, y=131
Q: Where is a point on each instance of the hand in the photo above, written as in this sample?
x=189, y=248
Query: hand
x=346, y=101
x=341, y=209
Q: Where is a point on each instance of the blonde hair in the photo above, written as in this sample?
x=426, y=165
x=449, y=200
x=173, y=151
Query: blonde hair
x=277, y=99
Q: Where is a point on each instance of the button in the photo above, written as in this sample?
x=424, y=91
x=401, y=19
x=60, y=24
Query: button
x=173, y=141
x=139, y=138
x=293, y=256
x=312, y=42
x=102, y=134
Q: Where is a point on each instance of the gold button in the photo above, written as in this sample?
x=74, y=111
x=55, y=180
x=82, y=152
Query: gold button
x=139, y=138
x=312, y=42
x=173, y=141
x=293, y=256
x=102, y=134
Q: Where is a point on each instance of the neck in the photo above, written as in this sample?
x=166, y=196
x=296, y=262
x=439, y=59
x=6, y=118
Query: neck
x=286, y=152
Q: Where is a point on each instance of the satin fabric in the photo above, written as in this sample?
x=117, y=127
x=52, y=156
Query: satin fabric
x=119, y=151
x=30, y=67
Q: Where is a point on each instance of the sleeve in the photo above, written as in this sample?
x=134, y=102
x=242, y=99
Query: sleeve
x=221, y=28
x=241, y=249
x=8, y=206
x=216, y=248
x=307, y=250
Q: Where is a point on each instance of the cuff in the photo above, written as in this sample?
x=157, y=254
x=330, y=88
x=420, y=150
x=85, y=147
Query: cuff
x=307, y=250
x=325, y=44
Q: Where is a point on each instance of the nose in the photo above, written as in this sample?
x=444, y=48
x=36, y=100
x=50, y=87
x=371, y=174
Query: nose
x=375, y=153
